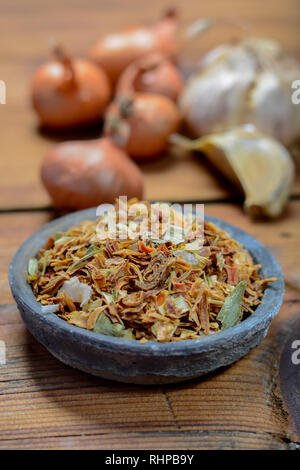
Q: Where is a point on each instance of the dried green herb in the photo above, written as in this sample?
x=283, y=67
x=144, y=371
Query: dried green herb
x=93, y=250
x=231, y=311
x=104, y=326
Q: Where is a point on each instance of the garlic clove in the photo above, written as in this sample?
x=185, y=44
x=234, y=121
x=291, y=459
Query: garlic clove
x=259, y=165
x=214, y=99
x=272, y=97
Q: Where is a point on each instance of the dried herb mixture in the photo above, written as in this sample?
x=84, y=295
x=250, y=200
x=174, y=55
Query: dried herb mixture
x=146, y=289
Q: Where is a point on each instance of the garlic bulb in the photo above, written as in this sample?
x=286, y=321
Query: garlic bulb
x=259, y=165
x=247, y=82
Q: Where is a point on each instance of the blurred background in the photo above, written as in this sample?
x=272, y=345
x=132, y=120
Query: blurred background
x=27, y=27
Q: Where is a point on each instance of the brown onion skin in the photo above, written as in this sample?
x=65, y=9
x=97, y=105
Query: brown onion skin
x=151, y=120
x=64, y=98
x=153, y=73
x=83, y=174
x=115, y=51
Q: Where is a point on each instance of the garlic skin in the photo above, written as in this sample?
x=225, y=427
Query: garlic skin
x=249, y=82
x=77, y=291
x=257, y=164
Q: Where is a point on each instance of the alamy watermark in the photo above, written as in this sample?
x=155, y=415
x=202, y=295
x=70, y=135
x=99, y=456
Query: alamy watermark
x=2, y=92
x=159, y=222
x=2, y=353
x=296, y=94
x=296, y=354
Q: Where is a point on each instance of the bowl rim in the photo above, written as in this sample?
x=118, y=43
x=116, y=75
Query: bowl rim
x=24, y=296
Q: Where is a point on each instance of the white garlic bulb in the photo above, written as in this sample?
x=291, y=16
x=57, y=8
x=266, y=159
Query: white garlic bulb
x=250, y=82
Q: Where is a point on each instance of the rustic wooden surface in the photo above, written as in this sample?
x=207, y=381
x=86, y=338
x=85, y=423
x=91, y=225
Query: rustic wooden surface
x=44, y=404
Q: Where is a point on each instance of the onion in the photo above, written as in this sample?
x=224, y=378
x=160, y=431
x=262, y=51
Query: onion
x=153, y=73
x=83, y=174
x=250, y=82
x=142, y=124
x=114, y=52
x=69, y=92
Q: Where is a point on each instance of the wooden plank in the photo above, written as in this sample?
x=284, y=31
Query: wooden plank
x=45, y=404
x=43, y=400
x=176, y=440
x=80, y=26
x=25, y=35
x=186, y=175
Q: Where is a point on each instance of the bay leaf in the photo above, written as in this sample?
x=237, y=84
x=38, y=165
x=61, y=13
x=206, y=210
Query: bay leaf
x=231, y=311
x=104, y=326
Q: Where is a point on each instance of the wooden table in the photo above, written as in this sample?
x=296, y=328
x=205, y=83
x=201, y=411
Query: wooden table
x=44, y=404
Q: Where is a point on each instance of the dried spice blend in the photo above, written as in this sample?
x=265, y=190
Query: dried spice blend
x=141, y=287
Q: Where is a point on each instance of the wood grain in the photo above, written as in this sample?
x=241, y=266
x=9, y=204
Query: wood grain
x=149, y=441
x=26, y=32
x=45, y=404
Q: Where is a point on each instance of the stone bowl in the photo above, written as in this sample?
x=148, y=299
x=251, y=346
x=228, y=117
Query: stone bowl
x=130, y=361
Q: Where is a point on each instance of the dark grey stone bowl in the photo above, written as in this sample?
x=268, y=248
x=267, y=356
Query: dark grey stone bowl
x=129, y=361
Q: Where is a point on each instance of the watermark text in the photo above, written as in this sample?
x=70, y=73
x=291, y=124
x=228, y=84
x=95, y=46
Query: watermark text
x=296, y=94
x=160, y=222
x=296, y=354
x=2, y=353
x=2, y=92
